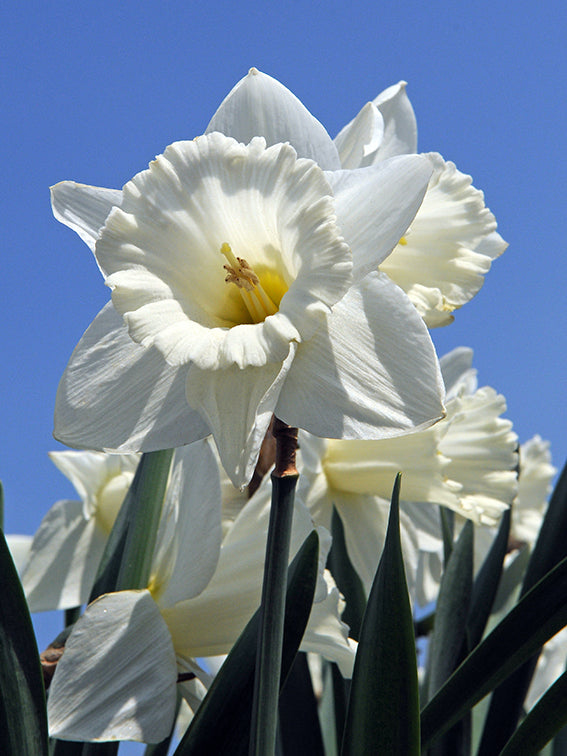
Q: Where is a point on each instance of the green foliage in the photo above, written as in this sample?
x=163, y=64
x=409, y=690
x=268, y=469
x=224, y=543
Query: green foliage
x=534, y=620
x=507, y=702
x=383, y=710
x=23, y=720
x=222, y=722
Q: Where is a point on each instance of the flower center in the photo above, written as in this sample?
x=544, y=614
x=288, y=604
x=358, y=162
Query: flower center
x=239, y=273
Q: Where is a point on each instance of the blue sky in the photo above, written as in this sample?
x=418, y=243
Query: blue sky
x=92, y=92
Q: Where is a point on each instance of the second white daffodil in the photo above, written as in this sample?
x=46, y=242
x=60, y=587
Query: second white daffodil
x=466, y=462
x=441, y=261
x=246, y=281
x=118, y=677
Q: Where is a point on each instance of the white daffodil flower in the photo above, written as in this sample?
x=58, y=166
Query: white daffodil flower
x=465, y=462
x=244, y=283
x=441, y=261
x=118, y=676
x=67, y=548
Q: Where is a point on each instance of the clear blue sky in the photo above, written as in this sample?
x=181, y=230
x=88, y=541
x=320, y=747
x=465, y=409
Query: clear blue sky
x=93, y=91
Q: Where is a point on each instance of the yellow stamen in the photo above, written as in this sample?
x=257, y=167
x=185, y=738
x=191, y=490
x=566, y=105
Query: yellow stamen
x=239, y=272
x=403, y=241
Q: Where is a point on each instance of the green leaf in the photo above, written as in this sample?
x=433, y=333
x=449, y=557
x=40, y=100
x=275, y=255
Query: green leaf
x=448, y=531
x=559, y=747
x=451, y=612
x=540, y=614
x=547, y=718
x=346, y=578
x=221, y=724
x=23, y=718
x=299, y=728
x=507, y=701
x=448, y=644
x=383, y=711
x=551, y=544
x=127, y=558
x=486, y=583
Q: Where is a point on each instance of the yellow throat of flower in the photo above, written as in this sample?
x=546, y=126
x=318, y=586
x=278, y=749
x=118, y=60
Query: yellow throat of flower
x=241, y=274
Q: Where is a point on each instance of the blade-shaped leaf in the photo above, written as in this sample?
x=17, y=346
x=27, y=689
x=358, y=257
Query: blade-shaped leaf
x=547, y=718
x=540, y=614
x=23, y=718
x=383, y=711
x=507, y=701
x=222, y=722
x=486, y=583
x=451, y=612
x=299, y=728
x=447, y=518
x=448, y=642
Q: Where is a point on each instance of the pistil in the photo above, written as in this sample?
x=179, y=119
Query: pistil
x=239, y=272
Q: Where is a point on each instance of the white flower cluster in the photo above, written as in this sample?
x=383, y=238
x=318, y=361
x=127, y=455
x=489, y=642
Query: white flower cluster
x=263, y=269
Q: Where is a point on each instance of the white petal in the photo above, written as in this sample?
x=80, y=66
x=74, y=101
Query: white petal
x=83, y=208
x=90, y=471
x=260, y=106
x=326, y=634
x=428, y=577
x=376, y=205
x=449, y=247
x=162, y=252
x=370, y=466
x=63, y=560
x=189, y=538
x=482, y=449
x=119, y=396
x=458, y=373
x=117, y=677
x=237, y=406
x=427, y=522
x=400, y=127
x=534, y=487
x=358, y=141
x=365, y=522
x=550, y=665
x=19, y=546
x=372, y=373
x=209, y=624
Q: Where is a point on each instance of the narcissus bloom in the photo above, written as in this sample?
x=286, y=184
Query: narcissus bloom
x=244, y=283
x=465, y=462
x=67, y=548
x=118, y=676
x=442, y=259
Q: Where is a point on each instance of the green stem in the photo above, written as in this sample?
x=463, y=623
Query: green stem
x=272, y=609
